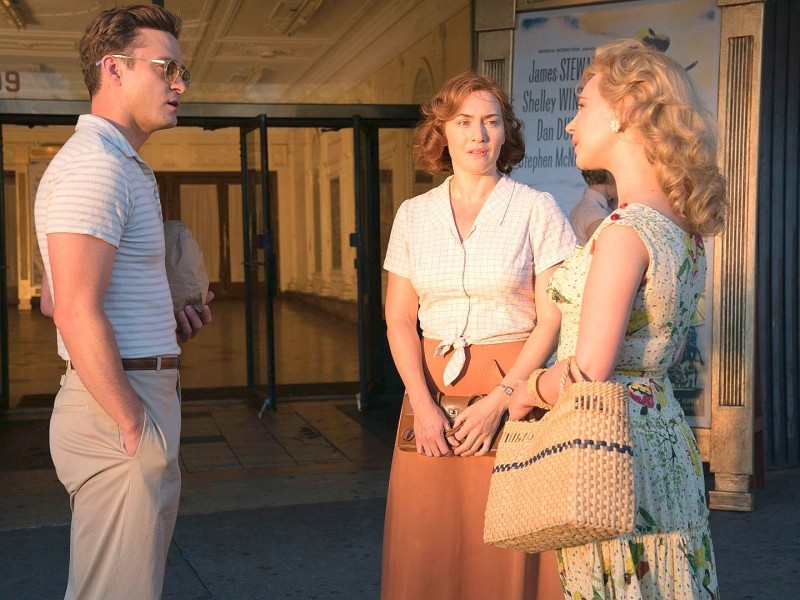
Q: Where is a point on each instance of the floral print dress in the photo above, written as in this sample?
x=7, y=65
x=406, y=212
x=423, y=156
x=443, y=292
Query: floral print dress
x=669, y=555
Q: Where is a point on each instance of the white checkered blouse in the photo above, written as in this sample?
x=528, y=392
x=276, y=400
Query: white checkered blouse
x=481, y=291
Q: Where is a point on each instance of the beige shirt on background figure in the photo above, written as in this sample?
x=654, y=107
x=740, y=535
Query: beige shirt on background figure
x=593, y=207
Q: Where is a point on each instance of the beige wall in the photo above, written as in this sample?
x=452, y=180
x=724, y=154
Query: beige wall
x=436, y=57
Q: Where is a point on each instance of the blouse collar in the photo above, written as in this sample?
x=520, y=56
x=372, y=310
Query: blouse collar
x=493, y=211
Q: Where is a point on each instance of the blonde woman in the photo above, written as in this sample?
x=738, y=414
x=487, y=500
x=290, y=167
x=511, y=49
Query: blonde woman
x=627, y=300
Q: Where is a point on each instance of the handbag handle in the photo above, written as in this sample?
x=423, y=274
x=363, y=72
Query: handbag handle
x=452, y=431
x=471, y=399
x=571, y=372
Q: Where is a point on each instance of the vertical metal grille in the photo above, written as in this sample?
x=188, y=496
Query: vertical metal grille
x=733, y=324
x=496, y=69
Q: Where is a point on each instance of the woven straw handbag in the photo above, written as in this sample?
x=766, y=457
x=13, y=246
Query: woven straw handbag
x=566, y=479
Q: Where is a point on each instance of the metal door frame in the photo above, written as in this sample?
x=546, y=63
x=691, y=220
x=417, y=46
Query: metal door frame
x=366, y=240
x=264, y=242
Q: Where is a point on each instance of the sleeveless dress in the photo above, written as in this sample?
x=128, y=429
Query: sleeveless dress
x=670, y=554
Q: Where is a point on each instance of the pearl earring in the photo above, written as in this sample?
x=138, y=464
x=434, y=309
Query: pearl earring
x=615, y=125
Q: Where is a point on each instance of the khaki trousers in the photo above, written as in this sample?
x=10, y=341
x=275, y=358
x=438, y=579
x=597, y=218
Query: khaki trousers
x=123, y=507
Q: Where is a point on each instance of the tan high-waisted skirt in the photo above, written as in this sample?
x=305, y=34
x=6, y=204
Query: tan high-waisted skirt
x=433, y=534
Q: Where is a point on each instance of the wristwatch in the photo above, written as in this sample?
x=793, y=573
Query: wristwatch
x=506, y=388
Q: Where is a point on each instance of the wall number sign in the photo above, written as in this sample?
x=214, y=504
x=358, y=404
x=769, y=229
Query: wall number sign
x=9, y=81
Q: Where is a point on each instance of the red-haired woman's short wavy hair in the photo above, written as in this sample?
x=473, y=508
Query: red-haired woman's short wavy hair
x=430, y=144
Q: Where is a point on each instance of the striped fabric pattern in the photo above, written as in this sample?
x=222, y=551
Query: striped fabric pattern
x=98, y=185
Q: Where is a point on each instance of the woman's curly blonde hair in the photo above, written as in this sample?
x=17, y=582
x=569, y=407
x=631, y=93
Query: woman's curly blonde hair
x=430, y=144
x=653, y=93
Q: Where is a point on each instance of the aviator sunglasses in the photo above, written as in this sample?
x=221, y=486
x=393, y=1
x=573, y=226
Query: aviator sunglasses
x=171, y=68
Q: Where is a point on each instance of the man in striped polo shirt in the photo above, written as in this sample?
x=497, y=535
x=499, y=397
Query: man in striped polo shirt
x=115, y=427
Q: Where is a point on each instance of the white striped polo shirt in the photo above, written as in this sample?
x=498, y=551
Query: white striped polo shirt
x=98, y=185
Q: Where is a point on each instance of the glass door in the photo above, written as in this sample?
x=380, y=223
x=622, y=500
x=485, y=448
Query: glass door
x=312, y=214
x=259, y=263
x=210, y=203
x=385, y=177
x=366, y=239
x=393, y=178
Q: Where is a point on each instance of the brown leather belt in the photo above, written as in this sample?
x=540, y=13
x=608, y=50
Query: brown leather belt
x=150, y=363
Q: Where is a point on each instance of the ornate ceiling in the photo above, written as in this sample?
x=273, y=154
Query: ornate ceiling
x=293, y=51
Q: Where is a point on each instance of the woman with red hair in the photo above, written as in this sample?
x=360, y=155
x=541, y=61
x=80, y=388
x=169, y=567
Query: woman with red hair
x=470, y=259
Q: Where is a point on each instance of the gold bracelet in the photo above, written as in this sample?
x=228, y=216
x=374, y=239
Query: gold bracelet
x=533, y=390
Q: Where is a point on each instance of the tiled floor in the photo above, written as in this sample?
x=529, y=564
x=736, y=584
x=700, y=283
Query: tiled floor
x=301, y=434
x=311, y=348
x=305, y=451
x=230, y=458
x=289, y=505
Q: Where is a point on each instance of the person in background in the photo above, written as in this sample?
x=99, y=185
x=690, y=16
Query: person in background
x=627, y=302
x=471, y=260
x=115, y=427
x=598, y=201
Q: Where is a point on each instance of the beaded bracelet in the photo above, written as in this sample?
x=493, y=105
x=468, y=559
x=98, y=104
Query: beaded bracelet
x=533, y=390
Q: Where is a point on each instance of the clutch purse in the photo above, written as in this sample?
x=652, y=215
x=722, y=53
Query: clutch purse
x=566, y=479
x=452, y=406
x=186, y=273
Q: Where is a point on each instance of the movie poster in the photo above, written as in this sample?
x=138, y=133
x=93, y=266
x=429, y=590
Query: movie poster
x=551, y=49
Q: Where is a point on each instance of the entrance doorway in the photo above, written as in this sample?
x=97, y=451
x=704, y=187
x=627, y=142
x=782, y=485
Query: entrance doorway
x=297, y=310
